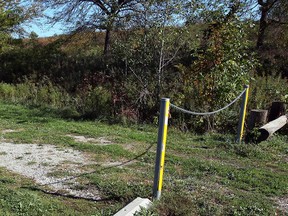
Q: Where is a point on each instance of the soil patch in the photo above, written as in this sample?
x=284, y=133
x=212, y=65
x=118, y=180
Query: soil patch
x=283, y=204
x=100, y=140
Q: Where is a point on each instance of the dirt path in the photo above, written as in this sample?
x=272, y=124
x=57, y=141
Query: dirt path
x=42, y=163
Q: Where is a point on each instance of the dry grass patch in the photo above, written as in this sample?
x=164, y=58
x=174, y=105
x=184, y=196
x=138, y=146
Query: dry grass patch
x=83, y=139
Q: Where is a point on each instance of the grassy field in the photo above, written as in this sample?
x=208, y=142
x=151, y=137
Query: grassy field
x=204, y=175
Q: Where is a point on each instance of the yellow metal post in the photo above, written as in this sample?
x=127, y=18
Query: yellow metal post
x=242, y=114
x=161, y=147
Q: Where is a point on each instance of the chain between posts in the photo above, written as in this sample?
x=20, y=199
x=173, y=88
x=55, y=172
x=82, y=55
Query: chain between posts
x=209, y=113
x=162, y=134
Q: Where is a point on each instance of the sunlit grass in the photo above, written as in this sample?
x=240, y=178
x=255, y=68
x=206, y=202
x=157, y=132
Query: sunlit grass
x=204, y=175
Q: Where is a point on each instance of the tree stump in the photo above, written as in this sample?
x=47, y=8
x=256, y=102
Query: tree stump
x=257, y=118
x=277, y=109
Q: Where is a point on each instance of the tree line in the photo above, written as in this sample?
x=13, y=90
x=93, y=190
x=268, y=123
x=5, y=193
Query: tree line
x=127, y=54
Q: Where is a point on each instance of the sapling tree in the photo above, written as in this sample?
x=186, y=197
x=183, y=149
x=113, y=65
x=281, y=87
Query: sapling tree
x=149, y=50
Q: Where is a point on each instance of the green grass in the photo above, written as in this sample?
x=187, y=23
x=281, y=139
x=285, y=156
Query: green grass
x=204, y=175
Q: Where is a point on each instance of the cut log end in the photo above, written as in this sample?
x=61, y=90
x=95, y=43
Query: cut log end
x=269, y=129
x=264, y=135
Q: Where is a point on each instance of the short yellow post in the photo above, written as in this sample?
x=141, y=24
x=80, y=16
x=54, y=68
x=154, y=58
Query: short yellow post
x=161, y=147
x=242, y=115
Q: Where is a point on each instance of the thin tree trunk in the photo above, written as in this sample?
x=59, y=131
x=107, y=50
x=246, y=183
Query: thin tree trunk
x=262, y=26
x=265, y=7
x=107, y=41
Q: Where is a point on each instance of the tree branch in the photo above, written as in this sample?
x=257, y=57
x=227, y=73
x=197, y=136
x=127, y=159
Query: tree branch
x=261, y=2
x=123, y=2
x=100, y=4
x=272, y=4
x=234, y=8
x=270, y=21
x=269, y=4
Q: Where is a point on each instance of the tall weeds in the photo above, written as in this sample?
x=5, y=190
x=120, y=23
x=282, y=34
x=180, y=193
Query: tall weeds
x=93, y=103
x=97, y=102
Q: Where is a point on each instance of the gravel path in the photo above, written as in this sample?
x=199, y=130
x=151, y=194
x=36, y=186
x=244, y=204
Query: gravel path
x=39, y=162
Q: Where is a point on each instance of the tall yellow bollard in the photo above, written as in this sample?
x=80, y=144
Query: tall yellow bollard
x=161, y=147
x=242, y=115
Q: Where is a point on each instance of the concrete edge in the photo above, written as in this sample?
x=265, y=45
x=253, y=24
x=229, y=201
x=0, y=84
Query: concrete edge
x=134, y=206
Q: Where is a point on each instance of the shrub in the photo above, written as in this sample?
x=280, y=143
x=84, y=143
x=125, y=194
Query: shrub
x=30, y=93
x=95, y=102
x=266, y=89
x=7, y=92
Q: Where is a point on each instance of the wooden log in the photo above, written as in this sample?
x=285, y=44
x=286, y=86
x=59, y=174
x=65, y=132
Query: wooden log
x=257, y=118
x=277, y=109
x=267, y=130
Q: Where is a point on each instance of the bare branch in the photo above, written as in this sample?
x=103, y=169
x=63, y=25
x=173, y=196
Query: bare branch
x=171, y=59
x=270, y=21
x=100, y=4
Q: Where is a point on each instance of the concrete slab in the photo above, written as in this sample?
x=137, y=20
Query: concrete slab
x=134, y=206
